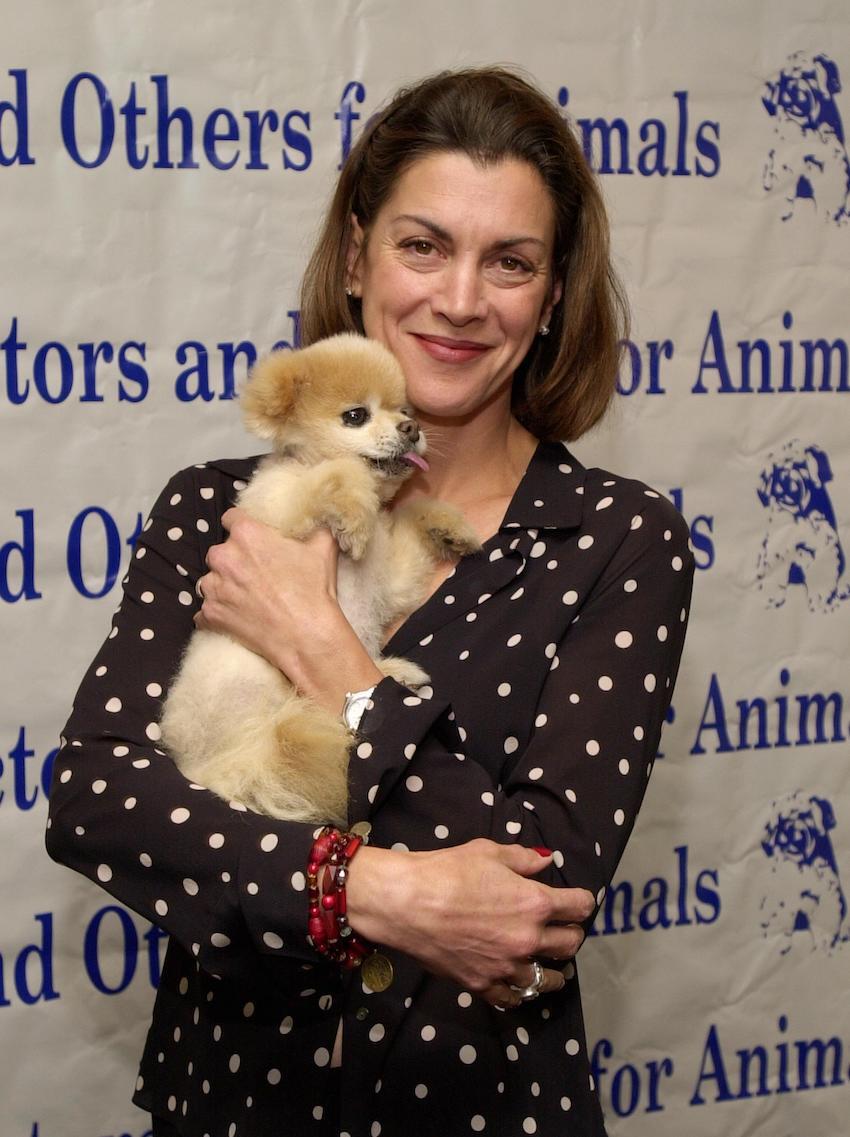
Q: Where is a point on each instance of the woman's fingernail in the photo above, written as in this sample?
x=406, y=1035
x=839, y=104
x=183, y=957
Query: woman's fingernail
x=542, y=850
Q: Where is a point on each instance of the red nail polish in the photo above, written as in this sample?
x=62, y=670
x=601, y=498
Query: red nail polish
x=542, y=850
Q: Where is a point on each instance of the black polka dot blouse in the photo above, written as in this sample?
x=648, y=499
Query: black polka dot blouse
x=552, y=653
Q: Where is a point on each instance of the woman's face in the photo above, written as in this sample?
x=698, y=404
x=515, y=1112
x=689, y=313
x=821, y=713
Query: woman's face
x=455, y=276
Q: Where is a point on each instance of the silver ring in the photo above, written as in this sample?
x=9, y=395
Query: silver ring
x=534, y=987
x=199, y=589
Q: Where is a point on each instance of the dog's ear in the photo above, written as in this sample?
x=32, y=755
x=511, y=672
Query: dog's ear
x=272, y=390
x=818, y=465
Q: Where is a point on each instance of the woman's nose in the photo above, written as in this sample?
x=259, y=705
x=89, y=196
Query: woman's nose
x=460, y=294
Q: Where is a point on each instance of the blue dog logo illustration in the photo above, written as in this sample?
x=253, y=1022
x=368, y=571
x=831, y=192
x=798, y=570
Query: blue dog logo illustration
x=808, y=161
x=805, y=902
x=801, y=545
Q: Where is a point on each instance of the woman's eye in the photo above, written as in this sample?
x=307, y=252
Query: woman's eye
x=355, y=416
x=513, y=264
x=420, y=246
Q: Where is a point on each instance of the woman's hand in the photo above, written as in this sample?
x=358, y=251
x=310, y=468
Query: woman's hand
x=277, y=597
x=469, y=913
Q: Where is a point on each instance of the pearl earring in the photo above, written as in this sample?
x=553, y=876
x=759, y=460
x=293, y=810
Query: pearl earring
x=348, y=291
x=543, y=329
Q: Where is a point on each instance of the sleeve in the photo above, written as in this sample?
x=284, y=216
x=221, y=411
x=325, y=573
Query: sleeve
x=227, y=883
x=577, y=785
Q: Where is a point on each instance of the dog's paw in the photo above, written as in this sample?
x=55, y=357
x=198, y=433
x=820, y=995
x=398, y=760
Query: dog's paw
x=445, y=531
x=404, y=671
x=353, y=532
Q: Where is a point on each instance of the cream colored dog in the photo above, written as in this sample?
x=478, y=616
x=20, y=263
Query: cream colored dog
x=344, y=443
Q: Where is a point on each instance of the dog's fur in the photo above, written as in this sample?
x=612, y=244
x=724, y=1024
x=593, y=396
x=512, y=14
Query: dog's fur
x=232, y=721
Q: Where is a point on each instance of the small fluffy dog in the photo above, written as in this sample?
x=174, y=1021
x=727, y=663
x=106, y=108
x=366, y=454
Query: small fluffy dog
x=343, y=445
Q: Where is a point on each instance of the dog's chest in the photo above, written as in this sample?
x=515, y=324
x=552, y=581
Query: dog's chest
x=364, y=589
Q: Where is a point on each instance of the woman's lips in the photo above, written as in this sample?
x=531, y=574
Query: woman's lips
x=448, y=350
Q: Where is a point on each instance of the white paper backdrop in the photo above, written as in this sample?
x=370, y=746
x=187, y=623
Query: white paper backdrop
x=137, y=261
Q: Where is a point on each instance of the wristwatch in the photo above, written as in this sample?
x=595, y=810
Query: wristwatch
x=355, y=706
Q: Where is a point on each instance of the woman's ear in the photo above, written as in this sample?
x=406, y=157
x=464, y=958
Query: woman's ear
x=555, y=294
x=356, y=245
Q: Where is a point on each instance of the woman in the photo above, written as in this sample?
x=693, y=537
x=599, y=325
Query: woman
x=468, y=235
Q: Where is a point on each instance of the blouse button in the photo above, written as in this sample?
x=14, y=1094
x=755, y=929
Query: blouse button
x=361, y=1014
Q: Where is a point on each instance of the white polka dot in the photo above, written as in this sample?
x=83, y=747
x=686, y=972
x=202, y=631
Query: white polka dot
x=570, y=795
x=154, y=690
x=414, y=783
x=190, y=886
x=649, y=682
x=174, y=534
x=662, y=633
x=120, y=751
x=464, y=999
x=605, y=682
x=412, y=701
x=104, y=873
x=286, y=1025
x=522, y=1035
x=269, y=843
x=572, y=1046
x=298, y=881
x=145, y=859
x=650, y=493
x=207, y=492
x=441, y=832
x=529, y=1125
x=487, y=797
x=101, y=670
x=566, y=1104
x=565, y=468
x=619, y=817
x=141, y=763
x=570, y=597
x=468, y=1054
x=511, y=1053
x=464, y=655
x=114, y=705
x=538, y=549
x=585, y=542
x=421, y=1090
x=152, y=730
x=178, y=816
x=321, y=1056
x=273, y=1077
x=234, y=1063
x=220, y=940
x=541, y=720
x=477, y=1124
x=202, y=526
x=623, y=766
x=516, y=595
x=624, y=639
x=98, y=786
x=604, y=503
x=471, y=617
x=161, y=908
x=146, y=634
x=558, y=858
x=592, y=747
x=496, y=555
x=427, y=1034
x=514, y=640
x=549, y=650
x=448, y=599
x=216, y=840
x=504, y=689
x=372, y=793
x=513, y=827
x=130, y=803
x=272, y=940
x=185, y=598
x=676, y=563
x=511, y=745
x=638, y=732
x=375, y=1131
x=535, y=774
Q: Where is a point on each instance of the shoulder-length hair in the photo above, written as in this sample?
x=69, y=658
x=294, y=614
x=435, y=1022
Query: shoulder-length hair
x=568, y=378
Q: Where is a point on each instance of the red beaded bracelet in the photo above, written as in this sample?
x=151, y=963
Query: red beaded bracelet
x=329, y=930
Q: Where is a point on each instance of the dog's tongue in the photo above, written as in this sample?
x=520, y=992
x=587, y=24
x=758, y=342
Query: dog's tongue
x=414, y=459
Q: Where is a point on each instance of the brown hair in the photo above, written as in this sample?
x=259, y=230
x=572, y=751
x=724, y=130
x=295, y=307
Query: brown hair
x=567, y=379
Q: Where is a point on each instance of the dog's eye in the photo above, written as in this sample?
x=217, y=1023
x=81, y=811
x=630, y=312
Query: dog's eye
x=356, y=416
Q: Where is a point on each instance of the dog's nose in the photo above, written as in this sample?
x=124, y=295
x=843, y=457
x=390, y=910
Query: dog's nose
x=410, y=429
